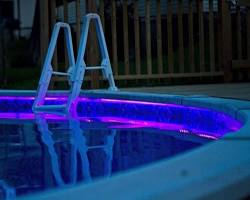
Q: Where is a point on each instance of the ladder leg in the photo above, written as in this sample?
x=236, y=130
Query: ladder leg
x=75, y=87
x=111, y=81
x=107, y=72
x=41, y=91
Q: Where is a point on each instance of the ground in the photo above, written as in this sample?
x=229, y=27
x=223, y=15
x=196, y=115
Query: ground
x=230, y=90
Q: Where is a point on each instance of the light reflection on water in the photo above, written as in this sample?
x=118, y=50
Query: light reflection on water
x=46, y=153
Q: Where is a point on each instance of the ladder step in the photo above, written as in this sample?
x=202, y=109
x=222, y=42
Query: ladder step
x=94, y=67
x=61, y=73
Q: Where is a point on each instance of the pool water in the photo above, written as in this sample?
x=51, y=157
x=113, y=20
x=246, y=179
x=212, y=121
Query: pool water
x=41, y=154
x=100, y=138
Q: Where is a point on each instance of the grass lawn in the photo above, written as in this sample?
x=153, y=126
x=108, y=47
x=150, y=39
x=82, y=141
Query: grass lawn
x=22, y=78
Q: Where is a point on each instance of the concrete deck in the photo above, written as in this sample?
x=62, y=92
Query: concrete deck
x=231, y=90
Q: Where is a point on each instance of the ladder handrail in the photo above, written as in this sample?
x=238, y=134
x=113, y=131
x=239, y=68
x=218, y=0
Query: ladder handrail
x=52, y=45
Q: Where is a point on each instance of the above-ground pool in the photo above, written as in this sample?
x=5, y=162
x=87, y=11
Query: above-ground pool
x=103, y=136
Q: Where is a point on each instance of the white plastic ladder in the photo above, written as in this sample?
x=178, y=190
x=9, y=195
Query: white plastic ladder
x=76, y=70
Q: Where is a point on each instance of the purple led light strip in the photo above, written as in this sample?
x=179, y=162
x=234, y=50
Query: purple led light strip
x=126, y=122
x=122, y=101
x=82, y=99
x=29, y=98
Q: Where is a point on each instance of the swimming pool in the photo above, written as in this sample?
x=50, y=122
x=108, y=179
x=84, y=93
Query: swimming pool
x=106, y=134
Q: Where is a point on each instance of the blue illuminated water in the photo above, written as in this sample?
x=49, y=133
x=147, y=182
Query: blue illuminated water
x=37, y=155
x=100, y=138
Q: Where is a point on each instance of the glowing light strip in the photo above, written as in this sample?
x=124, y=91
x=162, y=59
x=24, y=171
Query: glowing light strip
x=122, y=101
x=126, y=123
x=233, y=125
x=29, y=98
x=138, y=102
x=81, y=99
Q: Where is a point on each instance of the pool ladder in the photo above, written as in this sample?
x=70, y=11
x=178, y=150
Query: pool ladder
x=76, y=70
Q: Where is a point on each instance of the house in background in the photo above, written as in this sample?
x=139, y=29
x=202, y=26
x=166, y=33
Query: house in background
x=6, y=9
x=19, y=10
x=27, y=12
x=16, y=22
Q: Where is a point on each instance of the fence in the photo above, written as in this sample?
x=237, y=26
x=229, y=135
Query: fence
x=175, y=39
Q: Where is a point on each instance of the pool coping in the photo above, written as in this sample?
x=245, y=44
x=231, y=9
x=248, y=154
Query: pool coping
x=220, y=169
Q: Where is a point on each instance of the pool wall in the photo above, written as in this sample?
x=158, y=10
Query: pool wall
x=220, y=169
